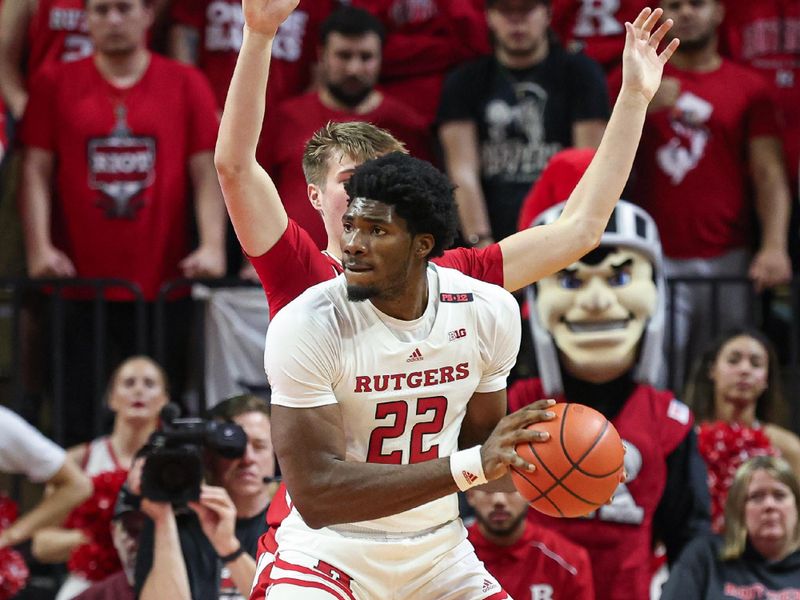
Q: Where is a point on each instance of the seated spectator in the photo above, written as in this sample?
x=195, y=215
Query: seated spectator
x=209, y=551
x=758, y=555
x=502, y=117
x=735, y=392
x=529, y=561
x=136, y=394
x=23, y=450
x=350, y=62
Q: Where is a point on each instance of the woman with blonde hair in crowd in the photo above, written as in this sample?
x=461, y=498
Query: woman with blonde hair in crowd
x=735, y=392
x=758, y=556
x=137, y=391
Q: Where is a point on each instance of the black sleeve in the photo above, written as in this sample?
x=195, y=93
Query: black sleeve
x=684, y=511
x=202, y=564
x=690, y=577
x=589, y=89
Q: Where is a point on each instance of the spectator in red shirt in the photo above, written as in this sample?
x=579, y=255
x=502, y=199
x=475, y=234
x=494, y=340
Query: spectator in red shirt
x=710, y=138
x=529, y=561
x=112, y=142
x=596, y=27
x=350, y=63
x=424, y=40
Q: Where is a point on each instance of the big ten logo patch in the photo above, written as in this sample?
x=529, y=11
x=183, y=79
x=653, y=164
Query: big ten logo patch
x=288, y=43
x=541, y=591
x=224, y=26
x=457, y=334
x=597, y=17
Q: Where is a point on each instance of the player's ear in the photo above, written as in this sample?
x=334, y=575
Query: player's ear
x=314, y=196
x=423, y=244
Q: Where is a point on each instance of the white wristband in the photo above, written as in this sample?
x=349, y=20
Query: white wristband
x=466, y=467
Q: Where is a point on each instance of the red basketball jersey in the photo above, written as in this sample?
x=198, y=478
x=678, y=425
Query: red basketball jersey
x=57, y=33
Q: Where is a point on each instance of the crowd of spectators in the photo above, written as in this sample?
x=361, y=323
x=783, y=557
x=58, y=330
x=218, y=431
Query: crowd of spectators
x=109, y=112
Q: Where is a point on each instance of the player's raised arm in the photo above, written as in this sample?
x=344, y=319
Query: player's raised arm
x=253, y=203
x=535, y=253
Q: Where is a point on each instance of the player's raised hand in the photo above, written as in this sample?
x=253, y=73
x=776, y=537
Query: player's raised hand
x=642, y=64
x=498, y=451
x=265, y=16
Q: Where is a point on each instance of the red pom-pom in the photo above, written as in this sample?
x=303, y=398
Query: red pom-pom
x=97, y=559
x=13, y=570
x=725, y=446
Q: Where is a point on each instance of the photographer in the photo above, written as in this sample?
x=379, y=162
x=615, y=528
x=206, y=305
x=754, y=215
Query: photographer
x=207, y=551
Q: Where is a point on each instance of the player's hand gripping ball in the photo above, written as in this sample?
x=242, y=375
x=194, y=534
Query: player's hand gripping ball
x=577, y=469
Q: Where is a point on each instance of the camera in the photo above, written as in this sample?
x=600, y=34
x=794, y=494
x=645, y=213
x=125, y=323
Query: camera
x=173, y=468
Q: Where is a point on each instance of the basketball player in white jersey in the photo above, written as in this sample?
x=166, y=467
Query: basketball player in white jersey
x=378, y=378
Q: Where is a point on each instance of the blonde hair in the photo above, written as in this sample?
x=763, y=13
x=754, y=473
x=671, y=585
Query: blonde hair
x=735, y=537
x=357, y=140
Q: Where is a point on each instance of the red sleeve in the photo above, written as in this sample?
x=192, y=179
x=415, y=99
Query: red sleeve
x=290, y=267
x=485, y=264
x=188, y=13
x=38, y=126
x=202, y=109
x=762, y=113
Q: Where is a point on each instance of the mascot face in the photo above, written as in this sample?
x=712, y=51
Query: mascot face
x=596, y=311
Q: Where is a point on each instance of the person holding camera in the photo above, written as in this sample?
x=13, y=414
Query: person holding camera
x=206, y=549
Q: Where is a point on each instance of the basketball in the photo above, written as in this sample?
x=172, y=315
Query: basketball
x=577, y=469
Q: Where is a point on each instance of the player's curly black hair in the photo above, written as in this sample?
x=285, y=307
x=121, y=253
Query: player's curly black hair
x=421, y=194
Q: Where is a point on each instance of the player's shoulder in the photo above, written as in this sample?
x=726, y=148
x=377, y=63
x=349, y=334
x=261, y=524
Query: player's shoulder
x=315, y=307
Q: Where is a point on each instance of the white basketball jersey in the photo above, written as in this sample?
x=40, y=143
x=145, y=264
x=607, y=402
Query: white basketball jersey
x=402, y=401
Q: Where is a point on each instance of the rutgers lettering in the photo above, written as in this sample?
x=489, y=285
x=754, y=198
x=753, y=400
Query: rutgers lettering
x=288, y=44
x=413, y=380
x=598, y=17
x=771, y=36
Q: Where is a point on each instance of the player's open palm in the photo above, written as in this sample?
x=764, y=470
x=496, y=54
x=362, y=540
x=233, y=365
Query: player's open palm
x=265, y=16
x=642, y=64
x=498, y=451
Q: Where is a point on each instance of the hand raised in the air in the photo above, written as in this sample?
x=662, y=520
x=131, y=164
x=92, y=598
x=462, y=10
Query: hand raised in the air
x=642, y=64
x=265, y=16
x=498, y=451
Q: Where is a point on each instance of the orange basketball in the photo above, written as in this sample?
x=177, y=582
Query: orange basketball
x=577, y=469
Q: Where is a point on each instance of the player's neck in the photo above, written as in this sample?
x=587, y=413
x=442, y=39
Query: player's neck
x=123, y=70
x=411, y=303
x=368, y=104
x=699, y=60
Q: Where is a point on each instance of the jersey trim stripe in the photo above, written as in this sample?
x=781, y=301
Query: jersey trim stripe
x=310, y=584
x=287, y=566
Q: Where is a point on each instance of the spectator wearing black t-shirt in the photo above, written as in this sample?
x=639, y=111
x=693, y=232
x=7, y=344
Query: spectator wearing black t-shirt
x=501, y=117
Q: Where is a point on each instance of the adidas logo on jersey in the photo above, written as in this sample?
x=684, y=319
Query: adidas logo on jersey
x=488, y=585
x=471, y=477
x=415, y=356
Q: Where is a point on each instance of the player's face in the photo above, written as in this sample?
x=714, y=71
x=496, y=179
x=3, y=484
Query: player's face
x=770, y=512
x=518, y=26
x=740, y=372
x=695, y=21
x=350, y=66
x=118, y=27
x=331, y=199
x=597, y=313
x=499, y=513
x=376, y=249
x=138, y=391
x=244, y=476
